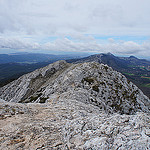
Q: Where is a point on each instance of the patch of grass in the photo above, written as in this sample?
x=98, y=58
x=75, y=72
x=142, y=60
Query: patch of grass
x=146, y=85
x=118, y=107
x=132, y=66
x=94, y=65
x=142, y=67
x=128, y=81
x=116, y=91
x=124, y=93
x=130, y=74
x=34, y=98
x=14, y=110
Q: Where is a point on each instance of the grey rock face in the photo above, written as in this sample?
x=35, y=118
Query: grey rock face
x=28, y=84
x=70, y=124
x=85, y=106
x=89, y=82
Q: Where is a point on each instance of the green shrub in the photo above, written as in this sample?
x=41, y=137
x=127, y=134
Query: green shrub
x=116, y=91
x=88, y=79
x=95, y=88
x=105, y=67
x=43, y=99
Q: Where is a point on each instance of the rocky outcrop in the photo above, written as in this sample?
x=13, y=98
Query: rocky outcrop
x=69, y=124
x=90, y=82
x=74, y=106
x=28, y=84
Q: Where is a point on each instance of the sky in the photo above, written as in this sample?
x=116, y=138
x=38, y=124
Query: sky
x=121, y=27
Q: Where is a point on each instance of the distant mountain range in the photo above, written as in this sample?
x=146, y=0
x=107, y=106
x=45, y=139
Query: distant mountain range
x=34, y=57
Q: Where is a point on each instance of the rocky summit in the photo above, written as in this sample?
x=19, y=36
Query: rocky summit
x=74, y=106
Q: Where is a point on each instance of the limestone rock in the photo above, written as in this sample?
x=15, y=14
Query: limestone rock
x=70, y=124
x=74, y=106
x=89, y=82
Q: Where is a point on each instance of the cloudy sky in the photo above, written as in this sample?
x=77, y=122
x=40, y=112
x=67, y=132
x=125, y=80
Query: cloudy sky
x=121, y=27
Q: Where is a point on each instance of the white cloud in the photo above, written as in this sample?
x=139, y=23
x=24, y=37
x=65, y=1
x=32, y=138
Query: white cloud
x=111, y=40
x=65, y=16
x=68, y=45
x=74, y=19
x=13, y=43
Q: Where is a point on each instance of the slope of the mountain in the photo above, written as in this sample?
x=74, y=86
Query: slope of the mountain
x=69, y=124
x=132, y=60
x=90, y=82
x=12, y=66
x=113, y=61
x=84, y=106
x=136, y=70
x=12, y=71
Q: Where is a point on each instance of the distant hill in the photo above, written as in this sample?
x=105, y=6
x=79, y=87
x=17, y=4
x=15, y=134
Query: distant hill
x=11, y=71
x=33, y=57
x=113, y=61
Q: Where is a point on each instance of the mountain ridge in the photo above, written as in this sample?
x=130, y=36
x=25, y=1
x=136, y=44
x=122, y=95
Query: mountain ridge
x=74, y=106
x=101, y=59
x=97, y=83
x=136, y=70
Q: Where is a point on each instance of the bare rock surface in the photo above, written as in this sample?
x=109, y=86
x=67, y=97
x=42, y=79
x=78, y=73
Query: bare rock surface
x=70, y=124
x=89, y=82
x=74, y=106
x=28, y=84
